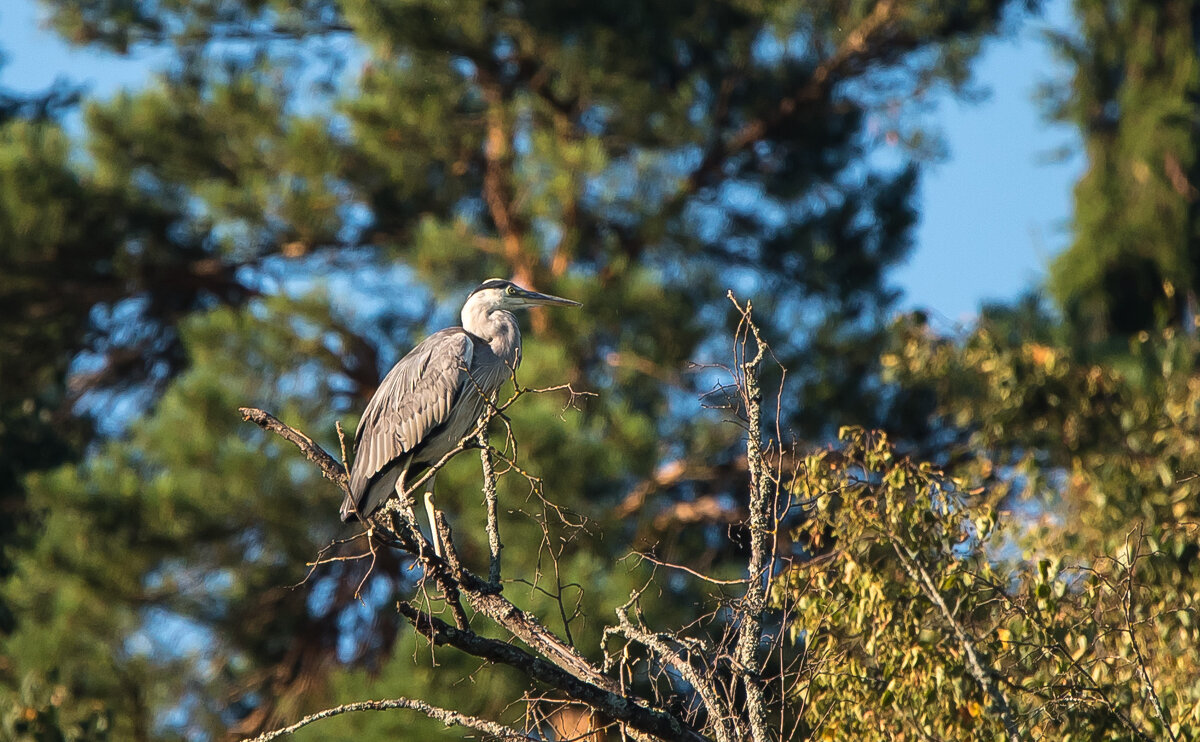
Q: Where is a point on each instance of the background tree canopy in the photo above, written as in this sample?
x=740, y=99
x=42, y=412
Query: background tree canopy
x=308, y=188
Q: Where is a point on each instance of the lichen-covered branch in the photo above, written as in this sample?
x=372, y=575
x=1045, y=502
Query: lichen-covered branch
x=489, y=497
x=761, y=515
x=479, y=594
x=720, y=716
x=549, y=660
x=483, y=598
x=447, y=716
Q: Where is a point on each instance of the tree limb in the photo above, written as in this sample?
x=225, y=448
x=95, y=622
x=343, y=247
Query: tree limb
x=564, y=667
x=924, y=582
x=450, y=718
x=489, y=497
x=619, y=707
x=330, y=467
x=754, y=602
x=857, y=47
x=483, y=597
x=718, y=714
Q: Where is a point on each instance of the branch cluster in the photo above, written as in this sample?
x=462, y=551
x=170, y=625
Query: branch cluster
x=725, y=680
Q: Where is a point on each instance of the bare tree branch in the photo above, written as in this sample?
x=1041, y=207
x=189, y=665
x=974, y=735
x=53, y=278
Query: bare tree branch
x=489, y=497
x=761, y=526
x=329, y=466
x=690, y=571
x=718, y=713
x=482, y=597
x=450, y=718
x=620, y=707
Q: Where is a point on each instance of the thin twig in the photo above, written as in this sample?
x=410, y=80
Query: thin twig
x=690, y=571
x=1133, y=554
x=342, y=442
x=1057, y=644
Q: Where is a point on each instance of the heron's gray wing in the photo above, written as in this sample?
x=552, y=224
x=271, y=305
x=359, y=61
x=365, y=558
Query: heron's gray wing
x=415, y=397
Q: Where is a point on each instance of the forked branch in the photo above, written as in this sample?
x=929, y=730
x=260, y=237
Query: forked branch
x=623, y=708
x=725, y=680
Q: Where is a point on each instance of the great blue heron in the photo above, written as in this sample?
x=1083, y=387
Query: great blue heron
x=436, y=395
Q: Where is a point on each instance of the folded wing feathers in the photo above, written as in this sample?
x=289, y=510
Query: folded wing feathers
x=413, y=398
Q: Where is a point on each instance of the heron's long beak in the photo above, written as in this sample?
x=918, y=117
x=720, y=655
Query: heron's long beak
x=533, y=298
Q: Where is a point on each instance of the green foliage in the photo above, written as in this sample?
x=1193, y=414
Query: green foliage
x=912, y=574
x=47, y=253
x=37, y=715
x=1132, y=265
x=1102, y=446
x=879, y=659
x=150, y=555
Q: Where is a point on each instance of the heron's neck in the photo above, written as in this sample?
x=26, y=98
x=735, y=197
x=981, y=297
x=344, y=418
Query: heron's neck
x=499, y=328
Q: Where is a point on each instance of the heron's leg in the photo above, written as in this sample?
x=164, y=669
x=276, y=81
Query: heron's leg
x=406, y=500
x=430, y=511
x=406, y=504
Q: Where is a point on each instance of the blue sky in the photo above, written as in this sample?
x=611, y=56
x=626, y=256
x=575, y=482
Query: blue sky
x=997, y=211
x=993, y=214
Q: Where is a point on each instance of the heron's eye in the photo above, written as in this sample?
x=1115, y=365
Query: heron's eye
x=510, y=291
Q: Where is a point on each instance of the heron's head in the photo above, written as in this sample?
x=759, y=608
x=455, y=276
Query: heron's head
x=497, y=293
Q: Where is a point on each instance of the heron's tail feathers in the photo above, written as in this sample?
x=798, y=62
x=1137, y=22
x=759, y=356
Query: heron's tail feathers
x=377, y=492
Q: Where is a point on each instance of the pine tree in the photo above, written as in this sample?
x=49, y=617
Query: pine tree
x=1132, y=265
x=289, y=206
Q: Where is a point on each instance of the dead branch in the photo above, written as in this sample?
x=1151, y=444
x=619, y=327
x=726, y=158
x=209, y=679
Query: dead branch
x=450, y=718
x=329, y=466
x=754, y=602
x=549, y=659
x=613, y=704
x=563, y=667
x=694, y=673
x=690, y=571
x=482, y=597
